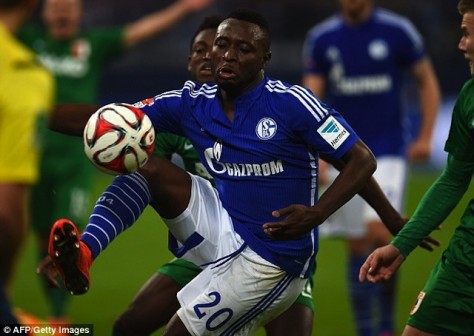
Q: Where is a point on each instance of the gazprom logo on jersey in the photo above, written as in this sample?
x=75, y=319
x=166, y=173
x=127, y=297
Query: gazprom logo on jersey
x=242, y=169
x=333, y=132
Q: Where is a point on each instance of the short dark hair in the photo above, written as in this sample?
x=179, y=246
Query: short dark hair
x=248, y=15
x=9, y=4
x=465, y=6
x=209, y=22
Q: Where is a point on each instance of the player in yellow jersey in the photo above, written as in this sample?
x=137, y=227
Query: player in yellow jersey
x=26, y=94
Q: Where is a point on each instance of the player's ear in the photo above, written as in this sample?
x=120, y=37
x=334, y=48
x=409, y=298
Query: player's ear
x=266, y=59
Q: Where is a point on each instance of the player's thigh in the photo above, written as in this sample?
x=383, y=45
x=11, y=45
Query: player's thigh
x=445, y=306
x=237, y=297
x=295, y=321
x=203, y=232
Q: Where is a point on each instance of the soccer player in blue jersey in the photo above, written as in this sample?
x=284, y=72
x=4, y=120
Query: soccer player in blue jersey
x=156, y=301
x=255, y=234
x=356, y=60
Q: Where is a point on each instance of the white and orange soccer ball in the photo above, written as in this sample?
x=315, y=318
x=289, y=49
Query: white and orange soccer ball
x=119, y=138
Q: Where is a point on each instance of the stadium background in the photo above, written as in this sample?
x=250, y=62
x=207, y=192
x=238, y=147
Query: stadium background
x=155, y=66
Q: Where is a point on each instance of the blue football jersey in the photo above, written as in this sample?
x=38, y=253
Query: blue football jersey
x=264, y=160
x=365, y=66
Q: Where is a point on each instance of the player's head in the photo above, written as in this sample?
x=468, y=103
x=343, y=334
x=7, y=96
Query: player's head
x=62, y=18
x=356, y=11
x=465, y=6
x=466, y=44
x=241, y=51
x=16, y=12
x=199, y=62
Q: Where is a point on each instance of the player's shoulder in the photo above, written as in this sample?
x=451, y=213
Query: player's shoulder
x=195, y=90
x=466, y=95
x=326, y=27
x=293, y=97
x=383, y=16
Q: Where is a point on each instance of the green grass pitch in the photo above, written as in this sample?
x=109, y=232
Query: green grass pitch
x=120, y=271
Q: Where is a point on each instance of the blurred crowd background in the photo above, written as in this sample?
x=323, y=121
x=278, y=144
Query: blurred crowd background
x=160, y=64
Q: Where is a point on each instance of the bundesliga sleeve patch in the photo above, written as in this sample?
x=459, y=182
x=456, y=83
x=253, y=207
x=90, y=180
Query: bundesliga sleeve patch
x=333, y=132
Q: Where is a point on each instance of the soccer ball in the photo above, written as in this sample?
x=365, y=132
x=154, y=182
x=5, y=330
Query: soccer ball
x=119, y=138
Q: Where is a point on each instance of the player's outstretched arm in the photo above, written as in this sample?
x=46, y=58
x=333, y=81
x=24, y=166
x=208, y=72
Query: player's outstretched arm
x=381, y=264
x=71, y=119
x=157, y=22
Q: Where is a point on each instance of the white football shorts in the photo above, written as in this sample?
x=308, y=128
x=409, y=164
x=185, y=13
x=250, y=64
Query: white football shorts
x=238, y=291
x=350, y=221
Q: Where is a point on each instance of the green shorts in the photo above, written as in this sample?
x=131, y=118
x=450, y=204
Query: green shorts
x=446, y=304
x=183, y=272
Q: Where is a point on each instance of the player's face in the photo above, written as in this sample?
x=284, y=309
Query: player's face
x=466, y=44
x=239, y=56
x=199, y=62
x=62, y=17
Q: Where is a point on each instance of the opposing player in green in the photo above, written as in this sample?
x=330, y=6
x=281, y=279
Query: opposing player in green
x=445, y=306
x=156, y=301
x=77, y=58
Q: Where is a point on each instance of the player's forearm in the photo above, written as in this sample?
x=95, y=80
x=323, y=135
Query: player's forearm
x=376, y=198
x=430, y=97
x=71, y=119
x=435, y=206
x=356, y=168
x=155, y=23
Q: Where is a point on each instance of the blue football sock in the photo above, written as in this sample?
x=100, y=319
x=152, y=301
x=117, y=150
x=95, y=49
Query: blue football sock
x=362, y=296
x=386, y=304
x=116, y=210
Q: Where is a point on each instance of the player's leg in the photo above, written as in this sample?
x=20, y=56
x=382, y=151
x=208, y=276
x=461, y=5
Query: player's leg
x=156, y=301
x=296, y=320
x=152, y=308
x=63, y=191
x=42, y=215
x=12, y=234
x=348, y=223
x=116, y=210
x=362, y=294
x=391, y=176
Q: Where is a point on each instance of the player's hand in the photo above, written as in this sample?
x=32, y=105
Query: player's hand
x=419, y=151
x=296, y=220
x=381, y=264
x=49, y=271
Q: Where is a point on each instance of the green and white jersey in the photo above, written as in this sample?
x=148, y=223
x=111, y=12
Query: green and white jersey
x=166, y=144
x=77, y=66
